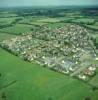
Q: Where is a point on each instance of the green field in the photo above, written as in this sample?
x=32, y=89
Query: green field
x=4, y=36
x=94, y=81
x=42, y=20
x=21, y=80
x=83, y=20
x=31, y=20
x=17, y=29
x=38, y=23
x=6, y=21
x=56, y=25
x=93, y=26
x=7, y=14
x=49, y=20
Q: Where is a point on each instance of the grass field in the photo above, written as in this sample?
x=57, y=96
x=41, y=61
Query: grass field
x=94, y=81
x=17, y=29
x=49, y=20
x=38, y=23
x=54, y=20
x=21, y=80
x=7, y=14
x=6, y=21
x=93, y=26
x=31, y=20
x=56, y=25
x=42, y=20
x=83, y=20
x=97, y=39
x=4, y=36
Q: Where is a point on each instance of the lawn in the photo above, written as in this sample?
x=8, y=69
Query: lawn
x=17, y=29
x=22, y=80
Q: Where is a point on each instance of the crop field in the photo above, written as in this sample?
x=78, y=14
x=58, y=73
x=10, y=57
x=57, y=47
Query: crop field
x=49, y=20
x=17, y=29
x=93, y=26
x=64, y=18
x=29, y=19
x=84, y=20
x=56, y=25
x=7, y=15
x=4, y=36
x=21, y=80
x=41, y=20
x=5, y=21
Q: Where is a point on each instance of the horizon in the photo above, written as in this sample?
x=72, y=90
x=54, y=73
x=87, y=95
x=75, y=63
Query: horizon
x=53, y=6
x=45, y=3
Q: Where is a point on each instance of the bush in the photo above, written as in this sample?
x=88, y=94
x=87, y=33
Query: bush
x=94, y=88
x=87, y=98
x=0, y=74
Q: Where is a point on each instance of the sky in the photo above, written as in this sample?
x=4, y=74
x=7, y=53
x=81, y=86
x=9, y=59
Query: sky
x=4, y=3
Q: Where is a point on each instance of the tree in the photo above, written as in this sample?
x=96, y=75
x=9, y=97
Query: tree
x=50, y=98
x=94, y=88
x=0, y=74
x=3, y=96
x=87, y=98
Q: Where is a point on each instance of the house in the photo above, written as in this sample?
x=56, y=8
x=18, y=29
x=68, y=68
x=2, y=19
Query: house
x=96, y=58
x=83, y=77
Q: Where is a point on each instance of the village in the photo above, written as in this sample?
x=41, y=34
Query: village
x=68, y=49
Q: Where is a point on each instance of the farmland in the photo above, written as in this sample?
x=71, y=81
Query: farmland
x=17, y=29
x=4, y=36
x=5, y=21
x=36, y=45
x=84, y=20
x=40, y=83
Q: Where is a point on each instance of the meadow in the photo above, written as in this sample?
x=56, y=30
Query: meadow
x=5, y=21
x=22, y=80
x=17, y=29
x=95, y=27
x=84, y=20
x=94, y=81
x=4, y=36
